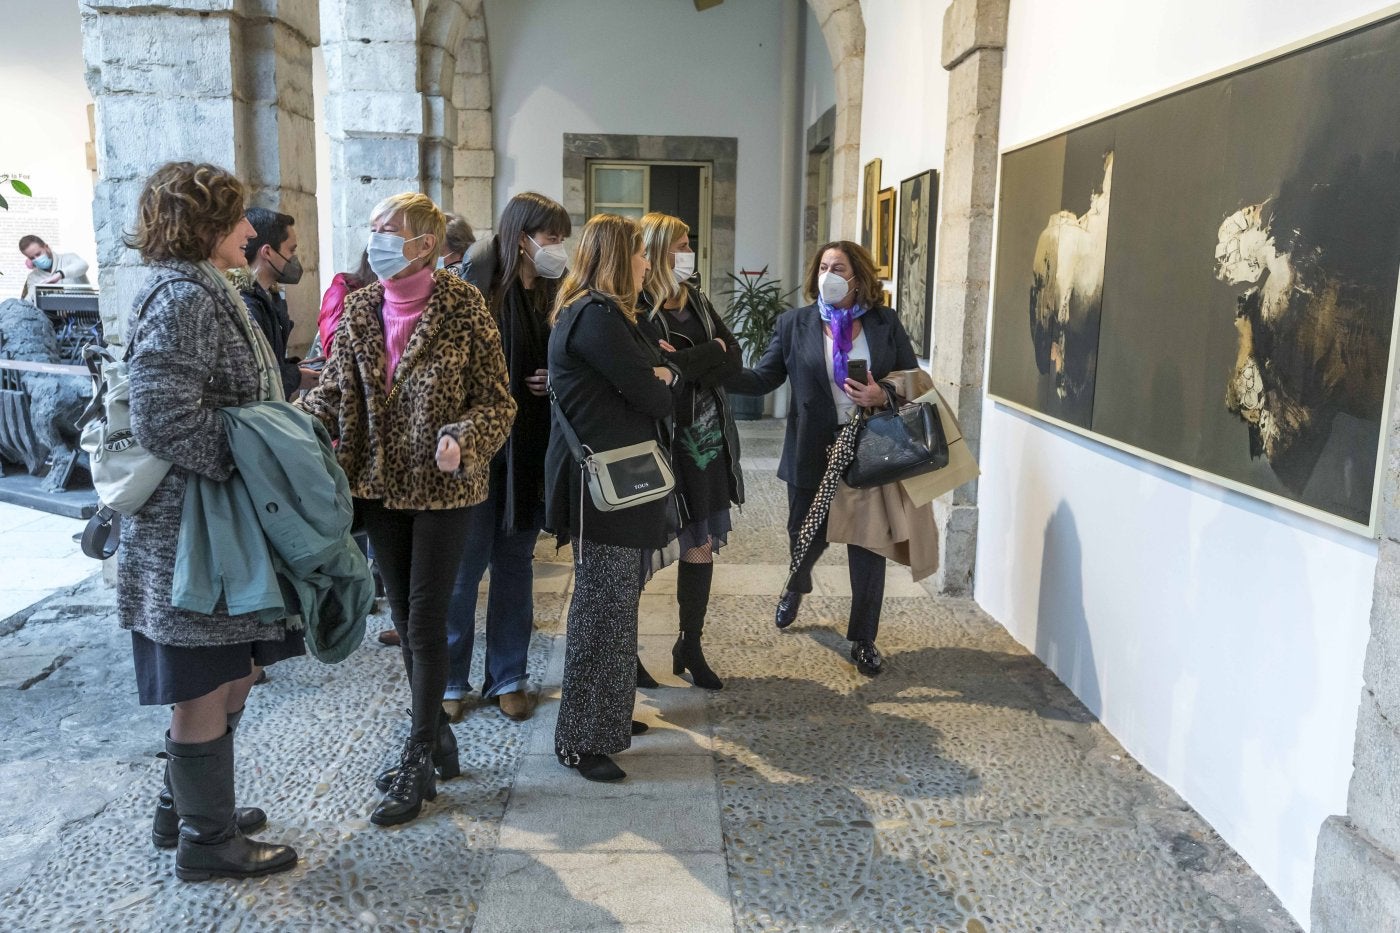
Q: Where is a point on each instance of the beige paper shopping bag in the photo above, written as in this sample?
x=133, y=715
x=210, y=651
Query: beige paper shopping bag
x=961, y=468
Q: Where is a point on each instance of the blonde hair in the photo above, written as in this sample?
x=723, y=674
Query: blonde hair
x=603, y=263
x=659, y=232
x=419, y=214
x=184, y=210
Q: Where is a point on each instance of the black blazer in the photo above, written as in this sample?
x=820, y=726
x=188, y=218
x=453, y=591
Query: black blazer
x=798, y=352
x=600, y=367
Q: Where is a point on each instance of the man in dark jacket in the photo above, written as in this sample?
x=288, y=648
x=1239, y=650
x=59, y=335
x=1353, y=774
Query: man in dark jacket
x=272, y=263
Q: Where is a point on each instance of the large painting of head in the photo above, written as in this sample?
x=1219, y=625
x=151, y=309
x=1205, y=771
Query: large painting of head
x=1209, y=278
x=1066, y=293
x=1315, y=290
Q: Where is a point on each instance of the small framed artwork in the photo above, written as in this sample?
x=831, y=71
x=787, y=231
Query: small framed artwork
x=918, y=222
x=886, y=298
x=867, y=214
x=884, y=234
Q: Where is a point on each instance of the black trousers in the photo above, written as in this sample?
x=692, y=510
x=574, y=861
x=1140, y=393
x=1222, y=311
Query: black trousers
x=418, y=554
x=867, y=569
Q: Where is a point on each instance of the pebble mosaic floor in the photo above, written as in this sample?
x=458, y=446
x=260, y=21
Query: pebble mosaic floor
x=965, y=789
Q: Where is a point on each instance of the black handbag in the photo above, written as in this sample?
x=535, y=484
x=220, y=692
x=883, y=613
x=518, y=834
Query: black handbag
x=897, y=443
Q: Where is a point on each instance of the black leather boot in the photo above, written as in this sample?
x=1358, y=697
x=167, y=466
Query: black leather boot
x=644, y=679
x=414, y=782
x=693, y=599
x=165, y=827
x=211, y=844
x=445, y=758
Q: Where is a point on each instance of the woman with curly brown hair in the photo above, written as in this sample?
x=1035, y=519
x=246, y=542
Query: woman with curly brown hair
x=193, y=350
x=415, y=389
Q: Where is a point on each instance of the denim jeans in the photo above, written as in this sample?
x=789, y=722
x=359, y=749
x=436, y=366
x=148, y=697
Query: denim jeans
x=510, y=601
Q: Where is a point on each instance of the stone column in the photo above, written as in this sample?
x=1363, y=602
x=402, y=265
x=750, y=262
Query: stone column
x=474, y=165
x=216, y=81
x=374, y=112
x=274, y=82
x=1356, y=885
x=843, y=28
x=974, y=40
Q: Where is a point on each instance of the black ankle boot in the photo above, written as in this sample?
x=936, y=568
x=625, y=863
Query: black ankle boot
x=593, y=767
x=445, y=758
x=414, y=782
x=165, y=826
x=686, y=654
x=211, y=844
x=644, y=679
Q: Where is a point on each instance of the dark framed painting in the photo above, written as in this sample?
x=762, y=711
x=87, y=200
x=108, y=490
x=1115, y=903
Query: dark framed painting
x=1211, y=276
x=918, y=225
x=869, y=193
x=884, y=234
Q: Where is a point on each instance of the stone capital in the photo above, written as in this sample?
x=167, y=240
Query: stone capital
x=970, y=26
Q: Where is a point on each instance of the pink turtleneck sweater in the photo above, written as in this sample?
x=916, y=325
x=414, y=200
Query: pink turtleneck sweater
x=404, y=301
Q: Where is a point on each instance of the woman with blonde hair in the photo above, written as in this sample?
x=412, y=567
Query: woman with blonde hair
x=415, y=389
x=193, y=350
x=678, y=317
x=613, y=388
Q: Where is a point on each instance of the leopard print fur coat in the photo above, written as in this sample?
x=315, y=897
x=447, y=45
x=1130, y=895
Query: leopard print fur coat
x=450, y=382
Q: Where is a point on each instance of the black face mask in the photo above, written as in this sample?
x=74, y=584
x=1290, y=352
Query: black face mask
x=290, y=273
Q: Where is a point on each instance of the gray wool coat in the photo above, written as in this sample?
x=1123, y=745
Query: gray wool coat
x=188, y=359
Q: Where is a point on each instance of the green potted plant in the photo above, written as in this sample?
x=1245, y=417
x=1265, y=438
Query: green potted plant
x=755, y=301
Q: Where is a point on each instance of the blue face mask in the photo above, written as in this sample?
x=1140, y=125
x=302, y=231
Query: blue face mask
x=386, y=256
x=43, y=263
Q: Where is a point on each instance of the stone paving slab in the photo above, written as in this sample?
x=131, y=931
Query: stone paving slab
x=582, y=891
x=667, y=804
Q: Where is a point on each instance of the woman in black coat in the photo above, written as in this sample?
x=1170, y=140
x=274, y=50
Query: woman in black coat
x=813, y=347
x=615, y=391
x=678, y=317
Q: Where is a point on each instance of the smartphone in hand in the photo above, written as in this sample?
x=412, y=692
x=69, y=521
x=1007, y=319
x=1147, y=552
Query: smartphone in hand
x=857, y=370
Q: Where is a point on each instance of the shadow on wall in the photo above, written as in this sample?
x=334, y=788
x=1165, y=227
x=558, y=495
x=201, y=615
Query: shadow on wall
x=1062, y=638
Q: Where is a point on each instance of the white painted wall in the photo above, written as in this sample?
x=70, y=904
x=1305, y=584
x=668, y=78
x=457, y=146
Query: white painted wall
x=654, y=68
x=904, y=113
x=1218, y=638
x=43, y=102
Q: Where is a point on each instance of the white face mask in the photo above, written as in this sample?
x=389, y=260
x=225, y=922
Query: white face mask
x=550, y=261
x=684, y=266
x=832, y=287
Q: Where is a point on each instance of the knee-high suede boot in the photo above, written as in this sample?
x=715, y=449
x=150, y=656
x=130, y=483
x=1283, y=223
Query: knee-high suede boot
x=211, y=844
x=693, y=598
x=165, y=826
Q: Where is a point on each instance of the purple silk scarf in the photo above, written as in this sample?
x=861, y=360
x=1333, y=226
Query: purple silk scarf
x=840, y=320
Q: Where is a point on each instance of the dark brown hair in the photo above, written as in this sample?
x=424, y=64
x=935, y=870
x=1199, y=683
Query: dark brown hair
x=529, y=213
x=865, y=283
x=29, y=240
x=184, y=210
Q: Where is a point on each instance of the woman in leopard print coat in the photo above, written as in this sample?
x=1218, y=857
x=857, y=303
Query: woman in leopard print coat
x=415, y=389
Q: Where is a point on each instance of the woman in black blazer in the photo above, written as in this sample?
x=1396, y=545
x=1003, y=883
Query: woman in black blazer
x=612, y=386
x=812, y=347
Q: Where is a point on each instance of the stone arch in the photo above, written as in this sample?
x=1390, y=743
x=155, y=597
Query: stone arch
x=454, y=67
x=843, y=28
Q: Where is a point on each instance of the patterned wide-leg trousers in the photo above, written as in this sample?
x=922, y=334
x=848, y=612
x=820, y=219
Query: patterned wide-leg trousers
x=600, y=657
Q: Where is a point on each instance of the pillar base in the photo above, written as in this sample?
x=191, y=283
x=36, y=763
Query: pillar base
x=1356, y=885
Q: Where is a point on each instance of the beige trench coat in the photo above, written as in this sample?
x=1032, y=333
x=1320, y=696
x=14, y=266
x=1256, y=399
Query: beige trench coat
x=884, y=519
